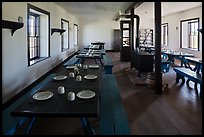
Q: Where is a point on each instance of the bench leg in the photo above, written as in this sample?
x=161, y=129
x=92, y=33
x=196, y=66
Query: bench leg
x=178, y=77
x=195, y=87
x=87, y=126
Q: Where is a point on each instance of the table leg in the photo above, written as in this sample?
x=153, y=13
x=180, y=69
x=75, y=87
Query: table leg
x=30, y=126
x=95, y=61
x=87, y=127
x=101, y=62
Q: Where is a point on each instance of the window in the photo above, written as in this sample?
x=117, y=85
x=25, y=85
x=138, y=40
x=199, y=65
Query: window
x=65, y=35
x=164, y=34
x=38, y=34
x=189, y=34
x=75, y=34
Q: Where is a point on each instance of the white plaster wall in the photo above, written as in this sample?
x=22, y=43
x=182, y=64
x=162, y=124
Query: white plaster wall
x=173, y=21
x=147, y=22
x=98, y=30
x=16, y=75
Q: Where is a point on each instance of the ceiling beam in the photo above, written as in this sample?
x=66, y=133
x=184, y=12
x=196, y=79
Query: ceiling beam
x=133, y=5
x=127, y=11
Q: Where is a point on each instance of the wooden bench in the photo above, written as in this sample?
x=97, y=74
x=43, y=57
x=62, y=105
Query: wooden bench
x=112, y=114
x=107, y=64
x=181, y=73
x=73, y=60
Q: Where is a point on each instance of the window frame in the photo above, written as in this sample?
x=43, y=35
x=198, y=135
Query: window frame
x=181, y=29
x=167, y=36
x=75, y=25
x=62, y=36
x=32, y=61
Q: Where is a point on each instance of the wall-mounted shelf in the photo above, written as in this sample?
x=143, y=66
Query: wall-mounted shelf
x=11, y=25
x=57, y=30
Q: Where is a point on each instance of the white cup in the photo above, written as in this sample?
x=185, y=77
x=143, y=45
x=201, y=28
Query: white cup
x=76, y=71
x=61, y=90
x=71, y=96
x=85, y=67
x=71, y=74
x=78, y=78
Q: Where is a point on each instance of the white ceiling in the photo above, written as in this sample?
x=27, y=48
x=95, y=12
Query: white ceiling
x=109, y=10
x=94, y=10
x=147, y=8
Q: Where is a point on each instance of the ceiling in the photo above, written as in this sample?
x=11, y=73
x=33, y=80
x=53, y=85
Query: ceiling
x=109, y=10
x=147, y=8
x=94, y=10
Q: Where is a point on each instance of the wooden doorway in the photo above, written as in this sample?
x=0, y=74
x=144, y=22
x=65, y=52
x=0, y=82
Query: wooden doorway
x=125, y=40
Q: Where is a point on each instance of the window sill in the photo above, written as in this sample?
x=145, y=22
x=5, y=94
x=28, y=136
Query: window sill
x=190, y=49
x=32, y=62
x=65, y=49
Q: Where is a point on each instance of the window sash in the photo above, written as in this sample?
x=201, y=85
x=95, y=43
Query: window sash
x=34, y=36
x=189, y=34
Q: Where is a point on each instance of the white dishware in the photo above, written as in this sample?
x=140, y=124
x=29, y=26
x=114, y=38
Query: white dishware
x=71, y=67
x=85, y=67
x=93, y=66
x=43, y=95
x=71, y=75
x=86, y=94
x=79, y=65
x=76, y=71
x=71, y=96
x=90, y=76
x=60, y=77
x=78, y=78
x=61, y=90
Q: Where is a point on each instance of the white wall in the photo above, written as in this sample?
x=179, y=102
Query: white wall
x=16, y=75
x=173, y=21
x=99, y=30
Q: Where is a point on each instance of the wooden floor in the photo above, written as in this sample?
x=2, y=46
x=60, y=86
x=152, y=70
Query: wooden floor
x=177, y=112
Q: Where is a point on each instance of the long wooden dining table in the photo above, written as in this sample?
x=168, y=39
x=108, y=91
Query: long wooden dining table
x=91, y=54
x=196, y=61
x=58, y=105
x=176, y=54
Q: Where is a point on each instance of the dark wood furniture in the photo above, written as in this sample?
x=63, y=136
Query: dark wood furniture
x=71, y=61
x=99, y=43
x=58, y=106
x=181, y=73
x=125, y=50
x=91, y=54
x=57, y=30
x=193, y=60
x=117, y=39
x=144, y=62
x=176, y=54
x=11, y=25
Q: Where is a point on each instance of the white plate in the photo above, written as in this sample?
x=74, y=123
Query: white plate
x=93, y=66
x=86, y=94
x=42, y=95
x=59, y=77
x=71, y=67
x=90, y=76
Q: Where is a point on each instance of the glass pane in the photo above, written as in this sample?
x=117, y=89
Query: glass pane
x=126, y=25
x=125, y=33
x=125, y=41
